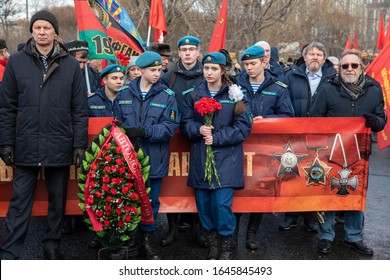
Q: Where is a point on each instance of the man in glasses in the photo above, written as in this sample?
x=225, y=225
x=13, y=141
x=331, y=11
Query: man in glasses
x=182, y=79
x=304, y=80
x=351, y=94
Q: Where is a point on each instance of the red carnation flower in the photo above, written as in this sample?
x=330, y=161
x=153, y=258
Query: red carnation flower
x=99, y=213
x=107, y=207
x=108, y=158
x=106, y=223
x=114, y=169
x=106, y=179
x=127, y=218
x=113, y=191
x=122, y=170
x=129, y=185
x=98, y=194
x=133, y=210
x=119, y=161
x=108, y=199
x=121, y=224
x=105, y=188
x=107, y=169
x=126, y=208
x=118, y=150
x=118, y=211
x=118, y=200
x=92, y=184
x=107, y=147
x=90, y=200
x=125, y=190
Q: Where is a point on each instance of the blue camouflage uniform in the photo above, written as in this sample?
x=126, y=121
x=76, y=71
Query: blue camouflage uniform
x=158, y=116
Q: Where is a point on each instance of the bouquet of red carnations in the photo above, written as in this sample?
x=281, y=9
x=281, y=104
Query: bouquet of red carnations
x=206, y=107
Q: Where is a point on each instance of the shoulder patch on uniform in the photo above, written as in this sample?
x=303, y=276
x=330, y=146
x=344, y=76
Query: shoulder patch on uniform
x=169, y=91
x=188, y=90
x=173, y=115
x=281, y=84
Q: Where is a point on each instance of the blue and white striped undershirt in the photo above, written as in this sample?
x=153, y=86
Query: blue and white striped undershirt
x=143, y=94
x=255, y=87
x=213, y=92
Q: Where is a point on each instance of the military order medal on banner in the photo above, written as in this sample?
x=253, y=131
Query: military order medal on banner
x=316, y=171
x=288, y=161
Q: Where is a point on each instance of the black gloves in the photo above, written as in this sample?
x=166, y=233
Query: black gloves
x=7, y=154
x=371, y=120
x=135, y=132
x=78, y=154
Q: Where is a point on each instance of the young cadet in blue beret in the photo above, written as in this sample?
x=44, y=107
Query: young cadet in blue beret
x=231, y=126
x=149, y=107
x=186, y=74
x=269, y=98
x=101, y=104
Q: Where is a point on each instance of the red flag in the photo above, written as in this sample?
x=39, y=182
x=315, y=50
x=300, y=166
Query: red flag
x=348, y=44
x=381, y=34
x=218, y=38
x=157, y=20
x=355, y=42
x=387, y=41
x=379, y=69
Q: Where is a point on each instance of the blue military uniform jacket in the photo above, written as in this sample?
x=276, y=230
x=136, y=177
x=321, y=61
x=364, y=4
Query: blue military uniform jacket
x=100, y=106
x=272, y=99
x=228, y=135
x=157, y=114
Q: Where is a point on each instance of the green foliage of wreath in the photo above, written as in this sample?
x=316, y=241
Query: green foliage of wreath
x=112, y=194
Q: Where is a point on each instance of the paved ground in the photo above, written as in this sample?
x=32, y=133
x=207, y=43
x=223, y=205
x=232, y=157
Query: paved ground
x=296, y=244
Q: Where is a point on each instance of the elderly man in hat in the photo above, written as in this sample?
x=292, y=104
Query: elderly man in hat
x=182, y=79
x=79, y=50
x=4, y=55
x=164, y=51
x=149, y=109
x=44, y=118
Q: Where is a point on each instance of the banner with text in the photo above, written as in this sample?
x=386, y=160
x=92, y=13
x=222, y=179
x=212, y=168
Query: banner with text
x=291, y=164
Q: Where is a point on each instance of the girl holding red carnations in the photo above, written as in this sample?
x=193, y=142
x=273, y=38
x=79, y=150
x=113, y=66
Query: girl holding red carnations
x=217, y=120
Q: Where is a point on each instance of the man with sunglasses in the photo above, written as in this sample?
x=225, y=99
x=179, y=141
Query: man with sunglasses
x=351, y=94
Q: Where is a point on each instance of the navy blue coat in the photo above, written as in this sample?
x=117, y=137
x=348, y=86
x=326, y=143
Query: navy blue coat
x=100, y=106
x=228, y=135
x=180, y=80
x=272, y=99
x=299, y=87
x=157, y=114
x=334, y=101
x=44, y=117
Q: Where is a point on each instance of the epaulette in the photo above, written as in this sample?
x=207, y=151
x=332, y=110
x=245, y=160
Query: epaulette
x=90, y=95
x=122, y=88
x=169, y=91
x=188, y=90
x=281, y=84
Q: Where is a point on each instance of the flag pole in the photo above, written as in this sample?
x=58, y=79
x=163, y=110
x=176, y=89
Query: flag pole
x=148, y=41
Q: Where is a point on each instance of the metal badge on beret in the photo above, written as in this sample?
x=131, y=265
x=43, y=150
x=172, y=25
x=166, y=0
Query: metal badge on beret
x=156, y=63
x=288, y=161
x=187, y=41
x=118, y=69
x=316, y=172
x=208, y=58
x=344, y=182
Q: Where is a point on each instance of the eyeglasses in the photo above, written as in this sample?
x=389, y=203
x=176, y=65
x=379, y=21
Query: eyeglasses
x=353, y=65
x=192, y=49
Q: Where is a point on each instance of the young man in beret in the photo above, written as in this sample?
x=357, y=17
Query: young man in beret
x=182, y=79
x=269, y=98
x=148, y=107
x=4, y=55
x=44, y=118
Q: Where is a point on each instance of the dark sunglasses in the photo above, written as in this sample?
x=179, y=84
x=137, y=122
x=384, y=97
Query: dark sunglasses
x=353, y=65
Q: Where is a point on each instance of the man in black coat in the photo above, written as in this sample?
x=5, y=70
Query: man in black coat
x=44, y=117
x=352, y=94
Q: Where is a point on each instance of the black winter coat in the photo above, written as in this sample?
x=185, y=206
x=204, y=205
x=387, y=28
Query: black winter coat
x=44, y=116
x=334, y=101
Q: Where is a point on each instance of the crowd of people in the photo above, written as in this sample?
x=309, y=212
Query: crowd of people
x=47, y=94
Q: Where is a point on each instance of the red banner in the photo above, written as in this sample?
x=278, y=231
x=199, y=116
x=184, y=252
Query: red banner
x=379, y=69
x=157, y=20
x=291, y=164
x=218, y=38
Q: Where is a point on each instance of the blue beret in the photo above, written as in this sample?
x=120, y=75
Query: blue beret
x=214, y=57
x=112, y=68
x=253, y=52
x=188, y=40
x=148, y=59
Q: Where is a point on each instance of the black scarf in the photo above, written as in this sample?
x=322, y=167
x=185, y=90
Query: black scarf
x=354, y=89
